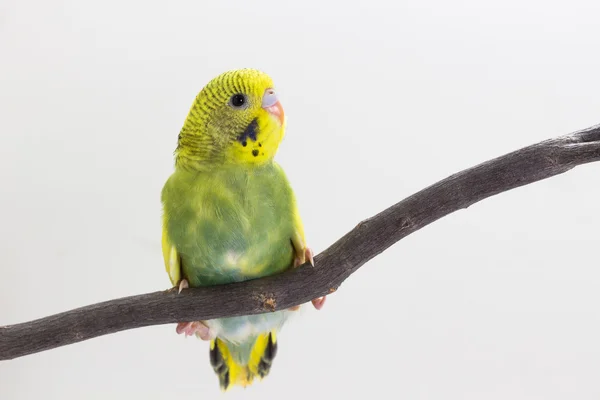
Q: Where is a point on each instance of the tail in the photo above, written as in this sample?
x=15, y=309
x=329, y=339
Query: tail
x=232, y=368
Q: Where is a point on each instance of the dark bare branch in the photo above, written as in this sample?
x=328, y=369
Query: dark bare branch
x=333, y=266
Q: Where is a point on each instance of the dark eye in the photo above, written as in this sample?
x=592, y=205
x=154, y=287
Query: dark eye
x=238, y=100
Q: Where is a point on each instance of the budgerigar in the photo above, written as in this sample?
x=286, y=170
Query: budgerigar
x=231, y=215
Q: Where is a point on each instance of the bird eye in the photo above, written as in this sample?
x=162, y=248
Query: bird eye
x=238, y=100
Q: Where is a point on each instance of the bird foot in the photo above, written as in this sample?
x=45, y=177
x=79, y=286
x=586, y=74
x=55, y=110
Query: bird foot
x=301, y=258
x=197, y=328
x=304, y=256
x=318, y=303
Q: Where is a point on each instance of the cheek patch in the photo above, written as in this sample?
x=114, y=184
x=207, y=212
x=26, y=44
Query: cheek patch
x=249, y=133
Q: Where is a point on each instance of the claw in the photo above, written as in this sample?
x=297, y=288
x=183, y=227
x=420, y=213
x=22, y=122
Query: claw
x=183, y=284
x=304, y=256
x=308, y=254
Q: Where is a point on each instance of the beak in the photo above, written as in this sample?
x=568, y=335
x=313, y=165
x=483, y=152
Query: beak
x=271, y=103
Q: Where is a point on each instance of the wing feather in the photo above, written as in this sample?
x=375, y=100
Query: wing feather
x=170, y=256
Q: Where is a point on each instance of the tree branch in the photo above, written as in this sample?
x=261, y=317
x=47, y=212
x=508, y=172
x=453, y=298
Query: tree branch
x=332, y=267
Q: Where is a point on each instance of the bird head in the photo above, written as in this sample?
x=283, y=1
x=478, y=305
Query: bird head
x=235, y=119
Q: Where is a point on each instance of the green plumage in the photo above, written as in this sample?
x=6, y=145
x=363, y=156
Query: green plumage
x=232, y=224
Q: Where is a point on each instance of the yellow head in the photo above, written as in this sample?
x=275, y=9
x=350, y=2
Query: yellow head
x=235, y=119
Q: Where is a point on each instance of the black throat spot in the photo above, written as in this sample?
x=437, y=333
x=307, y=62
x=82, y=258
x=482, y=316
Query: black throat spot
x=249, y=133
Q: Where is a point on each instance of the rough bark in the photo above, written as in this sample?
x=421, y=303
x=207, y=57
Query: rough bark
x=368, y=239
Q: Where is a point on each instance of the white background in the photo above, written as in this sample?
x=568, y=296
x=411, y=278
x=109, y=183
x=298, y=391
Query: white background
x=384, y=98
